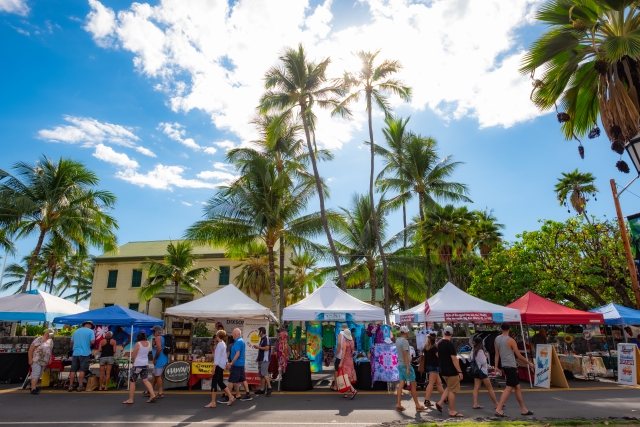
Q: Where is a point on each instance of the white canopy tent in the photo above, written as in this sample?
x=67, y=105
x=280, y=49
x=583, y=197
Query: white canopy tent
x=35, y=306
x=229, y=302
x=329, y=302
x=451, y=304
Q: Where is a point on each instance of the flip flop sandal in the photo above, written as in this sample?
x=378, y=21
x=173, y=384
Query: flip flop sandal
x=528, y=413
x=421, y=408
x=160, y=396
x=503, y=415
x=456, y=415
x=210, y=406
x=438, y=407
x=356, y=392
x=154, y=400
x=145, y=393
x=127, y=403
x=400, y=408
x=478, y=407
x=346, y=396
x=428, y=403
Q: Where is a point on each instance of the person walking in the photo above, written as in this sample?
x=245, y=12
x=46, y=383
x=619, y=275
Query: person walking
x=39, y=357
x=431, y=368
x=405, y=370
x=346, y=362
x=160, y=359
x=140, y=369
x=482, y=377
x=107, y=349
x=264, y=358
x=219, y=364
x=336, y=361
x=81, y=341
x=236, y=367
x=506, y=352
x=450, y=371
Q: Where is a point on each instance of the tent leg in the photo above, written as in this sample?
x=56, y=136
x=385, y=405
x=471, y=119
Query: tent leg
x=130, y=351
x=526, y=355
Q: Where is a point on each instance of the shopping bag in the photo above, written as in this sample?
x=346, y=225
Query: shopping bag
x=421, y=365
x=343, y=384
x=92, y=383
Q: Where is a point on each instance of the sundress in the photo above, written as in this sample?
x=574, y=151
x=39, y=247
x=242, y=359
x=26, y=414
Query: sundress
x=347, y=361
x=283, y=351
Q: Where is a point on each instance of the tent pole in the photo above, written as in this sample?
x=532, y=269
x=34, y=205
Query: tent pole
x=526, y=355
x=130, y=351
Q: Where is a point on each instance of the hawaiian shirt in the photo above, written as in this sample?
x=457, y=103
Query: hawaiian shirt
x=42, y=352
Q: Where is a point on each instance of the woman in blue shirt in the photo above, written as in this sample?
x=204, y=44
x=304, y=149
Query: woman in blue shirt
x=160, y=359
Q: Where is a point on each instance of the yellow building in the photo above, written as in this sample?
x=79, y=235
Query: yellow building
x=118, y=276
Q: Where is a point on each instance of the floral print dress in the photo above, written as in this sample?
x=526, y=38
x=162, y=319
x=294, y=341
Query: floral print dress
x=347, y=361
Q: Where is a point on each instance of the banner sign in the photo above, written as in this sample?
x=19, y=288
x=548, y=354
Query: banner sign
x=229, y=324
x=627, y=364
x=469, y=317
x=408, y=318
x=543, y=366
x=251, y=341
x=497, y=317
x=177, y=372
x=333, y=317
x=201, y=368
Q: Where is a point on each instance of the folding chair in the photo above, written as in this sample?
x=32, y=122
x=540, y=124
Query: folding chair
x=123, y=373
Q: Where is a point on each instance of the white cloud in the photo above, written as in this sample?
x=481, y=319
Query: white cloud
x=89, y=132
x=19, y=7
x=163, y=178
x=177, y=132
x=210, y=150
x=101, y=23
x=226, y=145
x=218, y=175
x=186, y=204
x=109, y=155
x=460, y=57
x=223, y=166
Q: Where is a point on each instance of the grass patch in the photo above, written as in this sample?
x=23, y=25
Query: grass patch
x=568, y=423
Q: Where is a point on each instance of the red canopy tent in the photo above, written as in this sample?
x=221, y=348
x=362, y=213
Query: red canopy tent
x=536, y=310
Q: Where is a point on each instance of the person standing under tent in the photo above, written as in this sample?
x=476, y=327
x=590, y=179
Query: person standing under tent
x=107, y=349
x=450, y=371
x=140, y=369
x=507, y=351
x=39, y=357
x=236, y=367
x=264, y=358
x=480, y=356
x=219, y=364
x=81, y=341
x=336, y=361
x=160, y=359
x=431, y=368
x=405, y=370
x=122, y=339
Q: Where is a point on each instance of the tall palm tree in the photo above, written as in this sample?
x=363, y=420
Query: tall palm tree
x=447, y=229
x=588, y=60
x=374, y=82
x=486, y=232
x=54, y=255
x=298, y=83
x=303, y=271
x=178, y=269
x=6, y=244
x=18, y=272
x=60, y=199
x=254, y=271
x=76, y=275
x=575, y=188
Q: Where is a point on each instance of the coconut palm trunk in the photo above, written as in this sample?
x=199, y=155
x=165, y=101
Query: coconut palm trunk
x=281, y=277
x=404, y=247
x=323, y=213
x=374, y=217
x=372, y=283
x=32, y=262
x=175, y=293
x=272, y=277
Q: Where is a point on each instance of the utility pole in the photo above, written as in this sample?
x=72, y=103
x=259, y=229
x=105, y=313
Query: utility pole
x=625, y=240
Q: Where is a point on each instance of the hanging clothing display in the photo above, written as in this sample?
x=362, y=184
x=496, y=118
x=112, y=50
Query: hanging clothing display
x=328, y=336
x=328, y=355
x=314, y=345
x=283, y=350
x=358, y=332
x=384, y=363
x=386, y=332
x=366, y=343
x=421, y=337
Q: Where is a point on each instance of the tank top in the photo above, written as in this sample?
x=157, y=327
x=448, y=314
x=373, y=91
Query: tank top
x=142, y=358
x=507, y=357
x=107, y=349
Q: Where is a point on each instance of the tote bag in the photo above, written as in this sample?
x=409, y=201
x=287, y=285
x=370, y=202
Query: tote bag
x=343, y=384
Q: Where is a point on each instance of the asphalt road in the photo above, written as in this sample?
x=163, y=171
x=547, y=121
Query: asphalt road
x=59, y=408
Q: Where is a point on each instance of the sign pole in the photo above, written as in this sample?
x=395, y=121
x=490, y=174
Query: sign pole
x=130, y=351
x=526, y=355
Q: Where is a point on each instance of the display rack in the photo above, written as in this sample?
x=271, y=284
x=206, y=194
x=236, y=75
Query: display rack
x=183, y=332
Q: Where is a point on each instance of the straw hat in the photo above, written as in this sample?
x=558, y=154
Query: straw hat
x=347, y=334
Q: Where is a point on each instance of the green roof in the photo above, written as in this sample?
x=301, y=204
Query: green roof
x=155, y=249
x=365, y=294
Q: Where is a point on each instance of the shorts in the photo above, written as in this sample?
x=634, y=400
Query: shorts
x=402, y=371
x=107, y=360
x=157, y=372
x=263, y=369
x=80, y=363
x=481, y=375
x=139, y=372
x=336, y=364
x=36, y=370
x=511, y=375
x=453, y=383
x=429, y=369
x=236, y=375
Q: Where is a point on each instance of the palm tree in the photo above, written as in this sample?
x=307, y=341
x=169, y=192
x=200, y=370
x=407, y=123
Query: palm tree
x=54, y=255
x=486, y=232
x=574, y=188
x=373, y=81
x=18, y=272
x=589, y=65
x=58, y=198
x=177, y=270
x=301, y=84
x=303, y=271
x=447, y=229
x=7, y=244
x=76, y=275
x=254, y=271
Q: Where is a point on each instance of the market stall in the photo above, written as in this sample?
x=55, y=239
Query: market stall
x=35, y=306
x=232, y=308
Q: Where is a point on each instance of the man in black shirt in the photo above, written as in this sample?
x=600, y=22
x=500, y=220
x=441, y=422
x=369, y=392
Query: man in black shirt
x=264, y=358
x=450, y=372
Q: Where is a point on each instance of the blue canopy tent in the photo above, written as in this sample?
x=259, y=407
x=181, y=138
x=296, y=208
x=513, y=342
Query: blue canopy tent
x=113, y=315
x=615, y=314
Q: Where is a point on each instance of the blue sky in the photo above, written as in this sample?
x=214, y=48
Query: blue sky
x=150, y=96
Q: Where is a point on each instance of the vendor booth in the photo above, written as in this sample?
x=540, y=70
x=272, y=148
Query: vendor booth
x=230, y=307
x=536, y=310
x=324, y=311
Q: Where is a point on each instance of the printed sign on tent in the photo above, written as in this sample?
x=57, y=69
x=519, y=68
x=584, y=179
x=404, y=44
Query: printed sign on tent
x=627, y=369
x=251, y=340
x=469, y=317
x=408, y=318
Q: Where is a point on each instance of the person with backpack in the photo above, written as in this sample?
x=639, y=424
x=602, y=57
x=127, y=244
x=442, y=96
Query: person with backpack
x=160, y=359
x=264, y=358
x=480, y=372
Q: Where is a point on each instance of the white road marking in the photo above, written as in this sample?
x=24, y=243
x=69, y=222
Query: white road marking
x=253, y=423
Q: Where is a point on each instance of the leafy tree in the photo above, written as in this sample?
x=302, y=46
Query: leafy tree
x=18, y=272
x=572, y=261
x=588, y=58
x=297, y=83
x=57, y=199
x=178, y=269
x=575, y=188
x=254, y=271
x=76, y=275
x=374, y=82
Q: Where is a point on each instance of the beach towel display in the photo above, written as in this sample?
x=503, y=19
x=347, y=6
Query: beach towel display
x=384, y=363
x=314, y=345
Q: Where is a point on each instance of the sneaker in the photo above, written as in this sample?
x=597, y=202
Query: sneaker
x=223, y=399
x=70, y=389
x=259, y=392
x=34, y=391
x=246, y=397
x=269, y=390
x=81, y=389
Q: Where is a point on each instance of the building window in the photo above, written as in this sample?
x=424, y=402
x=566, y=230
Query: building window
x=113, y=278
x=107, y=305
x=225, y=272
x=134, y=306
x=136, y=279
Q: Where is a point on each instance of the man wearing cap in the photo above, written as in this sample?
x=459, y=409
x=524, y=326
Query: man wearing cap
x=450, y=372
x=264, y=358
x=405, y=370
x=81, y=340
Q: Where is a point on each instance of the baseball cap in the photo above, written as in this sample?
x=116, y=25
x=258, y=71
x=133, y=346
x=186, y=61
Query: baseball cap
x=404, y=329
x=447, y=330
